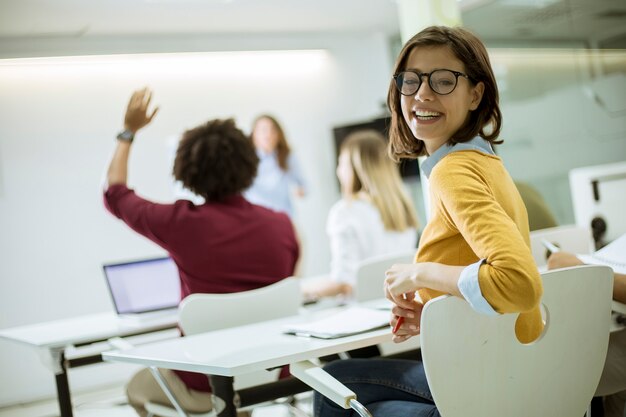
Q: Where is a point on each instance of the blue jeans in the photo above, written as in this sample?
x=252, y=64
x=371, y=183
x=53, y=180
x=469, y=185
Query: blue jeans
x=387, y=387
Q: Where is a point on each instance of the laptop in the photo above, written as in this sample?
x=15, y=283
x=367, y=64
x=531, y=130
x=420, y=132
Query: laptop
x=144, y=289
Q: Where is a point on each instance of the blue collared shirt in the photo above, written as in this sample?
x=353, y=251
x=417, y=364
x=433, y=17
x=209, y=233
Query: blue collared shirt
x=272, y=186
x=468, y=281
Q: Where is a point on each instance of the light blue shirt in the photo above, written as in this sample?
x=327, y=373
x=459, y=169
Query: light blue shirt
x=272, y=186
x=468, y=281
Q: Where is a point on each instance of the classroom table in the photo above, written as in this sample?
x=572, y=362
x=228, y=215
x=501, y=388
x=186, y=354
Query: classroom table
x=228, y=353
x=619, y=316
x=55, y=338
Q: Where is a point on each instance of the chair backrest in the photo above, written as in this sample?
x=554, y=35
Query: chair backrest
x=476, y=366
x=205, y=312
x=570, y=238
x=370, y=275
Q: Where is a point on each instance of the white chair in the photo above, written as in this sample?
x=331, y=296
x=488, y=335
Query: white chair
x=370, y=275
x=476, y=366
x=370, y=279
x=570, y=238
x=200, y=313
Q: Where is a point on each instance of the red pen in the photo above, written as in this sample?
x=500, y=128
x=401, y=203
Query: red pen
x=398, y=324
x=400, y=320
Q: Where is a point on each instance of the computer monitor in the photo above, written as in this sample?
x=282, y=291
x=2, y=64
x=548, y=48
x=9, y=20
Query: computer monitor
x=408, y=168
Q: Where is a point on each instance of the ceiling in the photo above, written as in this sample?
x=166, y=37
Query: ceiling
x=592, y=22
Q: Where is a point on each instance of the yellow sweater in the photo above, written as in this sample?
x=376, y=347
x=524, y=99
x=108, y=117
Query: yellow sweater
x=477, y=213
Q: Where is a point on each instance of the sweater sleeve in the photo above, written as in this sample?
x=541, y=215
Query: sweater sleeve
x=508, y=278
x=149, y=219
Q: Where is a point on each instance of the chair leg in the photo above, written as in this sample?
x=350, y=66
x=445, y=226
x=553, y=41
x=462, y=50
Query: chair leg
x=166, y=389
x=597, y=407
x=359, y=408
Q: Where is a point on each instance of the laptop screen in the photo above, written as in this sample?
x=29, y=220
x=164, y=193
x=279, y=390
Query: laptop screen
x=142, y=286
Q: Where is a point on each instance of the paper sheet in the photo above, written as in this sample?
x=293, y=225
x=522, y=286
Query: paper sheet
x=613, y=255
x=352, y=320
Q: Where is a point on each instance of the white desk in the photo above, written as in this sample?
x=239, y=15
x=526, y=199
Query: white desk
x=619, y=307
x=54, y=338
x=241, y=350
x=619, y=316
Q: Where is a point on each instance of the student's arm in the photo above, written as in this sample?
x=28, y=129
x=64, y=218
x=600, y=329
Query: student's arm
x=344, y=255
x=143, y=216
x=407, y=278
x=619, y=288
x=137, y=116
x=505, y=279
x=565, y=259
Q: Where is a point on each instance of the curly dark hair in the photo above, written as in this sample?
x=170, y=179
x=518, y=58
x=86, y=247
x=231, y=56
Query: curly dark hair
x=215, y=160
x=485, y=121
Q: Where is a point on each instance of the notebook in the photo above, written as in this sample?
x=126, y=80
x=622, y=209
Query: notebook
x=613, y=255
x=352, y=320
x=147, y=288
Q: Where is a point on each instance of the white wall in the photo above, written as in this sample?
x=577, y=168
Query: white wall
x=58, y=122
x=562, y=109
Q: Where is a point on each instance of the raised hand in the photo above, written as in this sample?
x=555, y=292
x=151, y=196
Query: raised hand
x=137, y=114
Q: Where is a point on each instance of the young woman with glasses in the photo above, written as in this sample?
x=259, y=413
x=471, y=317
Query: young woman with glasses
x=444, y=105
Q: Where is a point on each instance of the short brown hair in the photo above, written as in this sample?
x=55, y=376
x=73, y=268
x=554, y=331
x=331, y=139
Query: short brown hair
x=215, y=160
x=472, y=52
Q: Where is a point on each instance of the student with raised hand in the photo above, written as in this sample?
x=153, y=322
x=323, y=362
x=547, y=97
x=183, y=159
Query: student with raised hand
x=612, y=384
x=444, y=104
x=279, y=173
x=374, y=217
x=224, y=245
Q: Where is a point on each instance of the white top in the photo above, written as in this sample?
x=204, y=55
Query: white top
x=272, y=186
x=356, y=232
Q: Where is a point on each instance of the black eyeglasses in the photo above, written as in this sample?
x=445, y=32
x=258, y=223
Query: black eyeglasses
x=441, y=81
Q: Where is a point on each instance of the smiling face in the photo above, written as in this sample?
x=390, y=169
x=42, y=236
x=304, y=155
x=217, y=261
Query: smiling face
x=431, y=117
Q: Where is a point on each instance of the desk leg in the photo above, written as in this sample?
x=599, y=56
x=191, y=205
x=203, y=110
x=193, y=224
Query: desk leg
x=222, y=387
x=63, y=388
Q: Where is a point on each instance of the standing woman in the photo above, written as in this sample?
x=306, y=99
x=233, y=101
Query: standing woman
x=444, y=104
x=374, y=217
x=278, y=168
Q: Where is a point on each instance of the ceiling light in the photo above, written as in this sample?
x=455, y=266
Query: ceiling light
x=537, y=4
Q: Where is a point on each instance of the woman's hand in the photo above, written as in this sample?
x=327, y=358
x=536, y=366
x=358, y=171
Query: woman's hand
x=313, y=291
x=401, y=284
x=563, y=260
x=411, y=321
x=137, y=111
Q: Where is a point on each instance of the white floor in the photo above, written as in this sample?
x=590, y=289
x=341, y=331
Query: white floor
x=111, y=402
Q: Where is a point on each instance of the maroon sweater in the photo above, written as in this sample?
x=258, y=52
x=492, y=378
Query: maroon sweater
x=219, y=247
